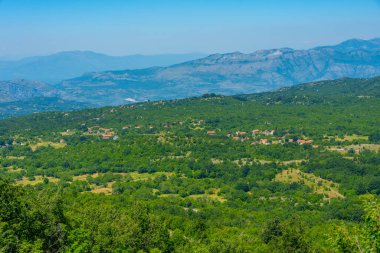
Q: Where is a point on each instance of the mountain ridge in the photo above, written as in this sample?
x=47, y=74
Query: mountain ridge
x=68, y=64
x=16, y=90
x=229, y=74
x=226, y=74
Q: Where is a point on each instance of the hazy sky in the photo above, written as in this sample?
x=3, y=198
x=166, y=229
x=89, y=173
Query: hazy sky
x=122, y=27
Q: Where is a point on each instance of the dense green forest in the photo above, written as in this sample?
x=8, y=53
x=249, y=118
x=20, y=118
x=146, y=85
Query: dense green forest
x=296, y=170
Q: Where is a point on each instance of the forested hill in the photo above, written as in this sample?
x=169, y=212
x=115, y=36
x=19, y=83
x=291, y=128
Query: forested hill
x=209, y=174
x=343, y=90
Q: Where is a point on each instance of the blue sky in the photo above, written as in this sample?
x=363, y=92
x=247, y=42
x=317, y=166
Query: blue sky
x=122, y=27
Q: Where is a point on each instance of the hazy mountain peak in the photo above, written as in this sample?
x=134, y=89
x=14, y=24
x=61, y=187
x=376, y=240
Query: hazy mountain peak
x=376, y=41
x=230, y=73
x=69, y=64
x=357, y=44
x=77, y=53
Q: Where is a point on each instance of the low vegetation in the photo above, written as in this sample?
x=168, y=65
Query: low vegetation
x=327, y=188
x=287, y=171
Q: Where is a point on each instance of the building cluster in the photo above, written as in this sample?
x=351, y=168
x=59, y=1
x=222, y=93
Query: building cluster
x=104, y=133
x=264, y=137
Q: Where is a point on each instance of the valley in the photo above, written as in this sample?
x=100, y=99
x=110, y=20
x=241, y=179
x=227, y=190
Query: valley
x=214, y=172
x=159, y=126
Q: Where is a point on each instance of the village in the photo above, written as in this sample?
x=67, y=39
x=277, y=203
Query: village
x=104, y=133
x=256, y=136
x=264, y=137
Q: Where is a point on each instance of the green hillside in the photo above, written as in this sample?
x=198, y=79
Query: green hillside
x=38, y=104
x=331, y=92
x=295, y=170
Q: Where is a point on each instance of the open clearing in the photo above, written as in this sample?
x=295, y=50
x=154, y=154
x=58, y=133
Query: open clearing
x=101, y=189
x=55, y=145
x=38, y=179
x=250, y=161
x=148, y=176
x=357, y=148
x=353, y=138
x=84, y=177
x=15, y=157
x=12, y=169
x=134, y=175
x=319, y=185
x=349, y=138
x=208, y=196
x=214, y=195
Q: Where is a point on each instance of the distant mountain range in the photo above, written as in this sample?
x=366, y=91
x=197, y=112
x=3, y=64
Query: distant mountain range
x=65, y=65
x=11, y=91
x=227, y=74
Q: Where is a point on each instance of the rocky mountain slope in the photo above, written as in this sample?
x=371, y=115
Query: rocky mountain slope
x=21, y=97
x=11, y=91
x=232, y=73
x=227, y=74
x=64, y=65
